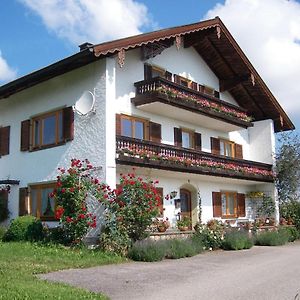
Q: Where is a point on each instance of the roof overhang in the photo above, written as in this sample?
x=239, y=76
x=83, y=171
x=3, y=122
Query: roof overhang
x=212, y=41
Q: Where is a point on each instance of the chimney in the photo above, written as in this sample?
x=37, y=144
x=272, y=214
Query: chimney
x=85, y=46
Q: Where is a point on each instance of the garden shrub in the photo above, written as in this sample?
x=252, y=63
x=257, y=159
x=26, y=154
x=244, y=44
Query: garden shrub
x=272, y=238
x=292, y=233
x=56, y=235
x=237, y=240
x=25, y=228
x=211, y=234
x=2, y=232
x=148, y=251
x=291, y=211
x=178, y=248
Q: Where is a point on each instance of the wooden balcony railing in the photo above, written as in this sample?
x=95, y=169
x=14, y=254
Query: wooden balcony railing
x=142, y=153
x=162, y=90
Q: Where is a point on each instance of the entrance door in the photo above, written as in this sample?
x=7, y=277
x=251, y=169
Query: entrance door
x=185, y=203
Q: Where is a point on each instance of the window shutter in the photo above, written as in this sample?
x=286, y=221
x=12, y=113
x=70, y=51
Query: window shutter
x=25, y=135
x=177, y=137
x=4, y=140
x=118, y=125
x=23, y=198
x=241, y=205
x=147, y=72
x=4, y=200
x=160, y=203
x=217, y=204
x=197, y=139
x=168, y=75
x=194, y=86
x=238, y=150
x=155, y=132
x=215, y=146
x=176, y=78
x=68, y=123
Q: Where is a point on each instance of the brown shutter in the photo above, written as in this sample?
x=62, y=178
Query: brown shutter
x=118, y=124
x=194, y=86
x=68, y=123
x=217, y=204
x=168, y=75
x=197, y=139
x=215, y=146
x=4, y=140
x=176, y=78
x=155, y=132
x=25, y=135
x=4, y=200
x=160, y=203
x=177, y=137
x=201, y=88
x=241, y=205
x=147, y=72
x=238, y=150
x=23, y=198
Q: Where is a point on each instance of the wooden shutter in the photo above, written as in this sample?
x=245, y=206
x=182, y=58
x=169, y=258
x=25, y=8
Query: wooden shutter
x=215, y=146
x=118, y=125
x=176, y=78
x=4, y=200
x=197, y=140
x=217, y=204
x=147, y=72
x=168, y=75
x=68, y=123
x=23, y=198
x=238, y=150
x=160, y=204
x=4, y=140
x=194, y=86
x=25, y=135
x=155, y=132
x=241, y=206
x=177, y=137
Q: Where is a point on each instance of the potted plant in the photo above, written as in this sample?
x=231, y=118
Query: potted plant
x=184, y=224
x=162, y=225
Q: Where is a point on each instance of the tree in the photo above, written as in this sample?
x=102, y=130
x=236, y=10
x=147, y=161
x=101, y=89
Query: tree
x=287, y=177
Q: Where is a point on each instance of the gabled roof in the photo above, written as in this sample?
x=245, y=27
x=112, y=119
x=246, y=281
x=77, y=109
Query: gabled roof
x=213, y=42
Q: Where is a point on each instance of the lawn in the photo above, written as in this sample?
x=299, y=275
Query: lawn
x=19, y=262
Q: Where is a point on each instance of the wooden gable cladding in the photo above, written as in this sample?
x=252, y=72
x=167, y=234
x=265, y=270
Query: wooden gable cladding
x=4, y=140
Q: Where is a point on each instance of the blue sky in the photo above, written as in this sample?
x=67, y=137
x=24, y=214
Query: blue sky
x=35, y=33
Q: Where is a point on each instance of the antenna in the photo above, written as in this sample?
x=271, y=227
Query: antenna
x=85, y=104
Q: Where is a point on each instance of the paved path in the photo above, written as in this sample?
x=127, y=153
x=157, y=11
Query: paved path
x=269, y=273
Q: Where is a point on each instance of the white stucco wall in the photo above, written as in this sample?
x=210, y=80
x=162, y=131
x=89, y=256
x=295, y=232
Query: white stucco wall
x=89, y=140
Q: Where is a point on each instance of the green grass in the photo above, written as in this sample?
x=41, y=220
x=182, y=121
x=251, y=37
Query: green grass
x=19, y=262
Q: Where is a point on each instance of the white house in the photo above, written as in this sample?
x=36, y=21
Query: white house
x=176, y=104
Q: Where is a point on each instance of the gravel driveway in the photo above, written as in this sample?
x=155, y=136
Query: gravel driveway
x=269, y=273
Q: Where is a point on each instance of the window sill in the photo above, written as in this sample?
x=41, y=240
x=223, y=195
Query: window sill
x=47, y=146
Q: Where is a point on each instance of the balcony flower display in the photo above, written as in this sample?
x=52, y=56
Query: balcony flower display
x=201, y=163
x=207, y=104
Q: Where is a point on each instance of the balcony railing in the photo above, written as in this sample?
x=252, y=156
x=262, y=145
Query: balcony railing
x=142, y=153
x=162, y=90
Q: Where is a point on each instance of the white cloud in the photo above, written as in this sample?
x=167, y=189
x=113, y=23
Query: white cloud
x=88, y=20
x=6, y=72
x=269, y=33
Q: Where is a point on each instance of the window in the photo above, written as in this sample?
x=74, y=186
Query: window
x=40, y=204
x=187, y=139
x=229, y=204
x=158, y=72
x=133, y=127
x=47, y=129
x=226, y=148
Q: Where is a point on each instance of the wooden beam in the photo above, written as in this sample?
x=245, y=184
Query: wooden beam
x=228, y=84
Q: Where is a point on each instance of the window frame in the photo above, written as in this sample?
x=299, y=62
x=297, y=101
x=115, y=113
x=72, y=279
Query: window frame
x=235, y=197
x=39, y=187
x=133, y=119
x=40, y=118
x=228, y=143
x=191, y=134
x=159, y=70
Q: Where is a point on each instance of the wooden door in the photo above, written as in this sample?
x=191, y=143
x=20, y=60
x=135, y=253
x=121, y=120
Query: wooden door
x=185, y=203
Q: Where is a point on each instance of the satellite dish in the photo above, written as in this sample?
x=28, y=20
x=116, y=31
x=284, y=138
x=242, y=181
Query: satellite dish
x=85, y=104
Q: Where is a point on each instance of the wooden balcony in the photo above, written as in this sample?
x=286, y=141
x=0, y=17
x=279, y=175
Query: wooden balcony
x=130, y=151
x=163, y=97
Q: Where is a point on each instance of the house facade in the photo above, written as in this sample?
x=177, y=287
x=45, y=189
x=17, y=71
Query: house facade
x=181, y=105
